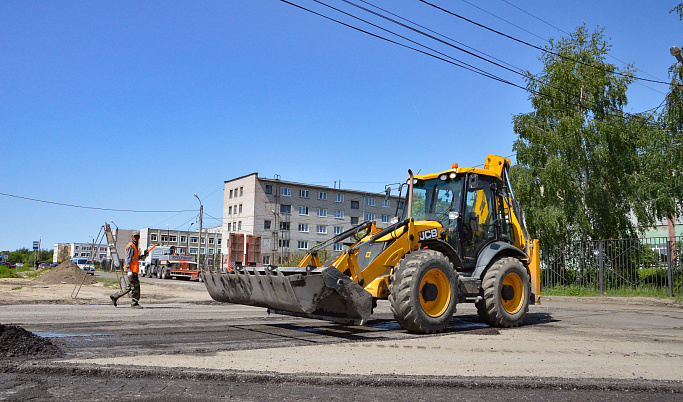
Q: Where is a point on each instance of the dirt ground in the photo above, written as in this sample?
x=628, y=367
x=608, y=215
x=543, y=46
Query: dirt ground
x=35, y=290
x=185, y=346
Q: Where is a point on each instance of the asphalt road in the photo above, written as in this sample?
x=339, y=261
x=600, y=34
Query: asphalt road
x=568, y=349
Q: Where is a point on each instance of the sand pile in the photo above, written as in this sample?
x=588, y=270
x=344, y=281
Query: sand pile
x=66, y=272
x=18, y=342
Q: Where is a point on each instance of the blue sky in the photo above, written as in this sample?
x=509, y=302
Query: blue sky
x=138, y=105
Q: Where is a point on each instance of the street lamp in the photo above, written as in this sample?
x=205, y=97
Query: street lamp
x=199, y=250
x=676, y=52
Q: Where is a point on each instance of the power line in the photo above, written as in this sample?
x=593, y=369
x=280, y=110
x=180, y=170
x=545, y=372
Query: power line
x=479, y=71
x=540, y=48
x=567, y=33
x=467, y=67
x=87, y=207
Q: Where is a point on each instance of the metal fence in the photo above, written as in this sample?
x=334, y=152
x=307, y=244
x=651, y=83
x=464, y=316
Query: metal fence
x=648, y=266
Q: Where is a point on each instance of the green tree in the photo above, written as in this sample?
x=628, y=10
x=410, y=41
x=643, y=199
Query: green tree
x=577, y=151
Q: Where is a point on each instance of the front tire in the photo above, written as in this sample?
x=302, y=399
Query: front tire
x=504, y=295
x=424, y=292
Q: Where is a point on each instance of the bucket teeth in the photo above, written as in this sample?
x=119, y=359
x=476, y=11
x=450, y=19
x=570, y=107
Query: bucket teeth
x=319, y=293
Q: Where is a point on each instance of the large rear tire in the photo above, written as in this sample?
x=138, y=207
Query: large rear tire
x=424, y=292
x=504, y=295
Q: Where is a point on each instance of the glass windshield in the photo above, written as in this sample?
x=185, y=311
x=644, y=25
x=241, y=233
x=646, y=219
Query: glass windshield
x=434, y=199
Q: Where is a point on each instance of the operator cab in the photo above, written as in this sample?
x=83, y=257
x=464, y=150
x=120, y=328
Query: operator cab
x=472, y=208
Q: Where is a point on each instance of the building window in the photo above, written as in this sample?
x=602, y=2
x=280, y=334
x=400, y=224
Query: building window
x=322, y=195
x=338, y=230
x=183, y=239
x=230, y=193
x=210, y=251
x=266, y=259
x=212, y=240
x=303, y=227
x=193, y=239
x=338, y=247
x=203, y=251
x=241, y=191
x=219, y=241
x=229, y=227
x=240, y=208
x=153, y=237
x=339, y=198
x=369, y=217
x=285, y=209
x=385, y=218
x=321, y=229
x=339, y=214
x=284, y=225
x=322, y=212
x=354, y=220
x=302, y=245
x=303, y=193
x=355, y=205
x=266, y=225
x=269, y=189
x=193, y=250
x=173, y=238
x=164, y=238
x=386, y=203
x=204, y=238
x=285, y=191
x=239, y=226
x=370, y=202
x=229, y=210
x=303, y=211
x=283, y=243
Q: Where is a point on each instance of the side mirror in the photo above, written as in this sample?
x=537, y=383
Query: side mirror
x=474, y=181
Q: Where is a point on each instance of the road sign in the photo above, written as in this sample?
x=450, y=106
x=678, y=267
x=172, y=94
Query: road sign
x=36, y=245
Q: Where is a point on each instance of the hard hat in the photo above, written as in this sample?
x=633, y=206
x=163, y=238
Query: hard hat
x=135, y=233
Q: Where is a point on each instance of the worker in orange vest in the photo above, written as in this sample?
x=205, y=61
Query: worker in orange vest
x=132, y=266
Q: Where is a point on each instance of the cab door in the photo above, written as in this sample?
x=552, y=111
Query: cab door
x=479, y=217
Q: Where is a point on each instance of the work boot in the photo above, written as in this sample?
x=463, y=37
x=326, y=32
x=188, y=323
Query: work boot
x=113, y=300
x=135, y=305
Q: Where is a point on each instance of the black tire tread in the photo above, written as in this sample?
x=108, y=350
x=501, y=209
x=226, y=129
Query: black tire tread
x=490, y=307
x=403, y=305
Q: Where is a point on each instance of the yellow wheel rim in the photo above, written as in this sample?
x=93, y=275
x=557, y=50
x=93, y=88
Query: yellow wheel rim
x=512, y=293
x=435, y=293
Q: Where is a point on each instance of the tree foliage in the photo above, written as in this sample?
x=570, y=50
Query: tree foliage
x=578, y=152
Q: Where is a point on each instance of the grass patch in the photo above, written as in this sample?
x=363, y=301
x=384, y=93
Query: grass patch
x=17, y=288
x=580, y=291
x=108, y=282
x=7, y=272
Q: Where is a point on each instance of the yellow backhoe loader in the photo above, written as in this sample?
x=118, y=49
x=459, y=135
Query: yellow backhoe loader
x=461, y=238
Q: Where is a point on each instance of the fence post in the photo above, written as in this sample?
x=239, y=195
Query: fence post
x=601, y=262
x=670, y=264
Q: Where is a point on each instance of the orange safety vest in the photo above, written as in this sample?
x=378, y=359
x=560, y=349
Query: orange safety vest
x=135, y=262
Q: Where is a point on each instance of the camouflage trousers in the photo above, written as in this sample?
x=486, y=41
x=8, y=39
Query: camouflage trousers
x=133, y=286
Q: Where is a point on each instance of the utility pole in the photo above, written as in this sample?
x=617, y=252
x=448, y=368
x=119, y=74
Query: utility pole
x=199, y=250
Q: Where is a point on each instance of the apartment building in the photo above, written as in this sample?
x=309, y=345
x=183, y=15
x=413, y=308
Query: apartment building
x=292, y=217
x=65, y=251
x=188, y=242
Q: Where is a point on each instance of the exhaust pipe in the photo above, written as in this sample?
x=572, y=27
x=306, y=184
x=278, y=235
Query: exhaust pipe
x=410, y=194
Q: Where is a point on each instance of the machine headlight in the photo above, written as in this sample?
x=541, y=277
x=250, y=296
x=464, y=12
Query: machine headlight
x=452, y=175
x=443, y=177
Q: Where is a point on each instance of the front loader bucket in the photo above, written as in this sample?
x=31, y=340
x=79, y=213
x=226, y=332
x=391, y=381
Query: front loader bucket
x=324, y=293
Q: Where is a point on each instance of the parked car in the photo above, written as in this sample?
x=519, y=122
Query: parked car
x=85, y=264
x=45, y=265
x=8, y=264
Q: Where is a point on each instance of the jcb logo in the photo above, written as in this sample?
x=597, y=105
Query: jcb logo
x=429, y=234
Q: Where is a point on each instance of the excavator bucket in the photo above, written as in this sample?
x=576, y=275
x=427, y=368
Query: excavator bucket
x=323, y=293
